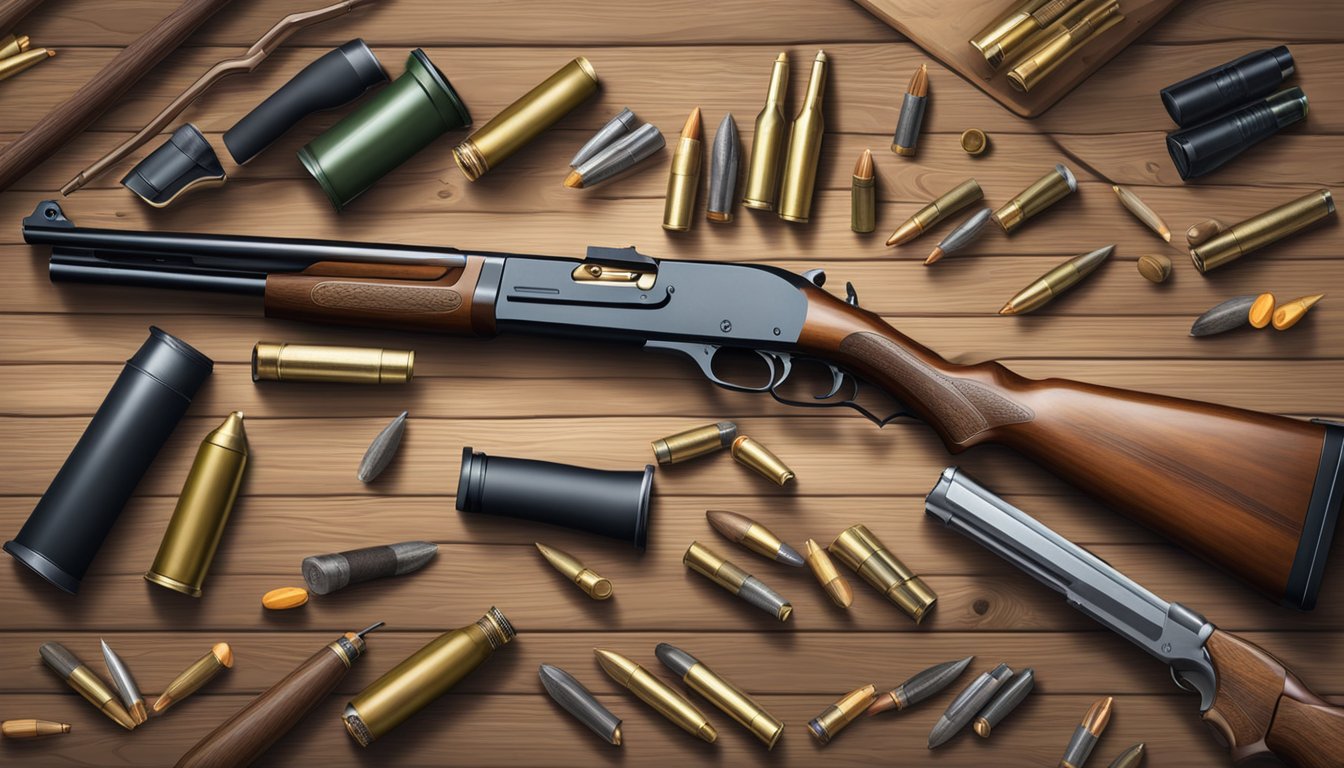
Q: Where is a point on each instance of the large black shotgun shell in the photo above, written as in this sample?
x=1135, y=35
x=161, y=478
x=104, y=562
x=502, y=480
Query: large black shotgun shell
x=1227, y=86
x=385, y=131
x=1208, y=146
x=614, y=504
x=339, y=77
x=73, y=517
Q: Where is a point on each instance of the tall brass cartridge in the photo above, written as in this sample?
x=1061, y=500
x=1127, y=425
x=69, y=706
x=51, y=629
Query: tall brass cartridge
x=272, y=361
x=945, y=205
x=203, y=508
x=1074, y=30
x=800, y=161
x=730, y=699
x=683, y=178
x=707, y=563
x=424, y=676
x=1006, y=36
x=84, y=681
x=525, y=119
x=1054, y=186
x=859, y=549
x=663, y=698
x=1262, y=230
x=767, y=142
x=694, y=442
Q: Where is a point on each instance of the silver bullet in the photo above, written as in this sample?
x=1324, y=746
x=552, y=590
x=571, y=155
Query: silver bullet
x=615, y=129
x=1225, y=316
x=579, y=702
x=1004, y=702
x=325, y=574
x=961, y=235
x=645, y=142
x=971, y=699
x=724, y=162
x=382, y=450
x=125, y=684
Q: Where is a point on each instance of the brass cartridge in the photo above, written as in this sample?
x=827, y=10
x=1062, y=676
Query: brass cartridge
x=859, y=549
x=1043, y=193
x=683, y=178
x=272, y=361
x=525, y=119
x=694, y=442
x=1074, y=30
x=1007, y=35
x=835, y=717
x=730, y=699
x=759, y=458
x=863, y=195
x=800, y=161
x=592, y=584
x=728, y=575
x=13, y=46
x=663, y=698
x=823, y=567
x=945, y=205
x=766, y=143
x=1262, y=230
x=202, y=671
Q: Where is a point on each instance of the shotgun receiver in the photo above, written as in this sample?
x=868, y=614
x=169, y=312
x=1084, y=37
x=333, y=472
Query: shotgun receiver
x=1178, y=466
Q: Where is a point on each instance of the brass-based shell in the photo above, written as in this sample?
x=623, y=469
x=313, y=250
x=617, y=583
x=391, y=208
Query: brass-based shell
x=974, y=141
x=767, y=142
x=863, y=196
x=835, y=585
x=835, y=717
x=683, y=177
x=859, y=549
x=730, y=699
x=202, y=511
x=664, y=699
x=741, y=529
x=759, y=458
x=1074, y=30
x=525, y=119
x=800, y=160
x=13, y=46
x=1262, y=229
x=694, y=442
x=19, y=62
x=945, y=205
x=1054, y=186
x=728, y=575
x=1008, y=34
x=202, y=671
x=278, y=361
x=592, y=584
x=20, y=730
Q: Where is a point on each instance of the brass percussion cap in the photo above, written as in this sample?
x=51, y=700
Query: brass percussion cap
x=974, y=141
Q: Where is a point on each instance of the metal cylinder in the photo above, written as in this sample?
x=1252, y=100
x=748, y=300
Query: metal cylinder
x=759, y=458
x=767, y=141
x=1262, y=229
x=859, y=549
x=525, y=119
x=424, y=676
x=328, y=573
x=694, y=442
x=1227, y=86
x=1075, y=29
x=1043, y=193
x=278, y=361
x=683, y=178
x=385, y=131
x=1007, y=34
x=1208, y=146
x=800, y=161
x=85, y=498
x=203, y=508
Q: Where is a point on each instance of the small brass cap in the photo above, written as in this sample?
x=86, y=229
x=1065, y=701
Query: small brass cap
x=974, y=141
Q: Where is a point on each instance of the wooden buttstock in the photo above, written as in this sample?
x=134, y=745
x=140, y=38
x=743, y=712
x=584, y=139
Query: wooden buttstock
x=1261, y=708
x=1230, y=485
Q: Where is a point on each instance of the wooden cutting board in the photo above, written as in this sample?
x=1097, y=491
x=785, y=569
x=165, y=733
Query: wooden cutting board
x=943, y=27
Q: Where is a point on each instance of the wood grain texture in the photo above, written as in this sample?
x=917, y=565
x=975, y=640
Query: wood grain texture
x=62, y=345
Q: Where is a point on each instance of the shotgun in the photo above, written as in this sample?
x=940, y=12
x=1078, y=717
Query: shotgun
x=1254, y=493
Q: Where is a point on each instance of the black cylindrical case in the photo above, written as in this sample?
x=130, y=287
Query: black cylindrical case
x=338, y=77
x=614, y=504
x=1227, y=86
x=73, y=517
x=1207, y=147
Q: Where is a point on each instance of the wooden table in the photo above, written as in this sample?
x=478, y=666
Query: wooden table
x=63, y=346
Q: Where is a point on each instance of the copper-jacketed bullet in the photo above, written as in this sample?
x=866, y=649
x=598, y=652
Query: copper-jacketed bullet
x=83, y=680
x=945, y=205
x=1262, y=229
x=859, y=549
x=657, y=694
x=741, y=529
x=800, y=161
x=863, y=195
x=912, y=113
x=767, y=142
x=836, y=586
x=730, y=699
x=1086, y=735
x=725, y=158
x=1055, y=282
x=835, y=717
x=592, y=585
x=683, y=178
x=25, y=730
x=1054, y=186
x=694, y=442
x=728, y=575
x=920, y=686
x=198, y=674
x=758, y=457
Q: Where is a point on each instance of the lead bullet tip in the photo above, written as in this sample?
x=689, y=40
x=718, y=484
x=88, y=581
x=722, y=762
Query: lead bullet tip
x=789, y=556
x=693, y=128
x=574, y=180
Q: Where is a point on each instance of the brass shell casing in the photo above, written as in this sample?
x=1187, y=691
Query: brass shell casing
x=736, y=704
x=767, y=142
x=974, y=142
x=424, y=676
x=948, y=203
x=201, y=671
x=1006, y=35
x=759, y=458
x=278, y=361
x=823, y=567
x=835, y=717
x=203, y=508
x=800, y=160
x=1074, y=30
x=525, y=119
x=707, y=563
x=683, y=185
x=585, y=578
x=859, y=549
x=13, y=46
x=863, y=204
x=1054, y=186
x=92, y=688
x=694, y=442
x=32, y=729
x=1262, y=229
x=657, y=694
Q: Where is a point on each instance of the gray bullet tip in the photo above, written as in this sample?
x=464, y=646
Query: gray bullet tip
x=789, y=556
x=675, y=659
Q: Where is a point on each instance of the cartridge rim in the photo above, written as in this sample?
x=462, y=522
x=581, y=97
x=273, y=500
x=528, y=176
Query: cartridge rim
x=173, y=584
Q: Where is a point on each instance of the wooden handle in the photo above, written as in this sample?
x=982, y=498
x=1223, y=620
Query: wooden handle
x=243, y=738
x=1230, y=485
x=1261, y=708
x=135, y=61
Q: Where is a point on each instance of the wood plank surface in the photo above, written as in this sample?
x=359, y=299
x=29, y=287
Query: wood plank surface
x=62, y=345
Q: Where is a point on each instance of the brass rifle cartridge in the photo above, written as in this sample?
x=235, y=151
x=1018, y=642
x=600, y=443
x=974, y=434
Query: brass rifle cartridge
x=1059, y=279
x=1054, y=186
x=349, y=365
x=759, y=458
x=19, y=62
x=800, y=160
x=683, y=178
x=1007, y=35
x=13, y=46
x=730, y=699
x=741, y=529
x=707, y=563
x=202, y=671
x=945, y=205
x=1262, y=229
x=694, y=442
x=762, y=185
x=835, y=717
x=823, y=567
x=1074, y=30
x=84, y=681
x=592, y=585
x=912, y=113
x=863, y=195
x=859, y=549
x=663, y=698
x=525, y=119
x=202, y=511
x=26, y=730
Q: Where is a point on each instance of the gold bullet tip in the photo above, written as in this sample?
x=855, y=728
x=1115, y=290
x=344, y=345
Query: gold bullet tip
x=574, y=180
x=783, y=56
x=934, y=256
x=224, y=654
x=863, y=169
x=616, y=736
x=1098, y=715
x=919, y=83
x=821, y=56
x=693, y=128
x=708, y=733
x=1008, y=309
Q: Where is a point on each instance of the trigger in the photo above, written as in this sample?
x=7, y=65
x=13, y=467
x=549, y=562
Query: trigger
x=837, y=381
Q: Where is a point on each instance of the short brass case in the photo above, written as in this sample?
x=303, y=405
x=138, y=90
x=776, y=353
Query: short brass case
x=1262, y=229
x=350, y=365
x=1008, y=34
x=767, y=141
x=683, y=185
x=525, y=119
x=862, y=205
x=203, y=508
x=736, y=704
x=859, y=549
x=800, y=160
x=694, y=442
x=836, y=716
x=1054, y=186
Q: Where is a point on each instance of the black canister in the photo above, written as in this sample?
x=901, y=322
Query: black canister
x=1227, y=86
x=67, y=527
x=1208, y=146
x=614, y=504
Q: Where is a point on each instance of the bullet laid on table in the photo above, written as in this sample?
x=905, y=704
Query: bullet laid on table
x=1055, y=282
x=836, y=586
x=615, y=129
x=1087, y=733
x=11, y=45
x=1130, y=758
x=1262, y=229
x=125, y=684
x=752, y=454
x=27, y=730
x=325, y=574
x=961, y=235
x=578, y=701
x=835, y=717
x=1224, y=316
x=1055, y=185
x=730, y=699
x=1288, y=313
x=945, y=205
x=382, y=450
x=694, y=442
x=767, y=142
x=799, y=177
x=592, y=585
x=724, y=160
x=863, y=195
x=193, y=677
x=911, y=119
x=1004, y=702
x=920, y=686
x=19, y=62
x=1060, y=41
x=707, y=563
x=967, y=703
x=683, y=178
x=657, y=694
x=1135, y=205
x=626, y=153
x=741, y=529
x=83, y=680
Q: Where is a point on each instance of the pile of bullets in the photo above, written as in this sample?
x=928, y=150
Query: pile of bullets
x=1034, y=37
x=17, y=55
